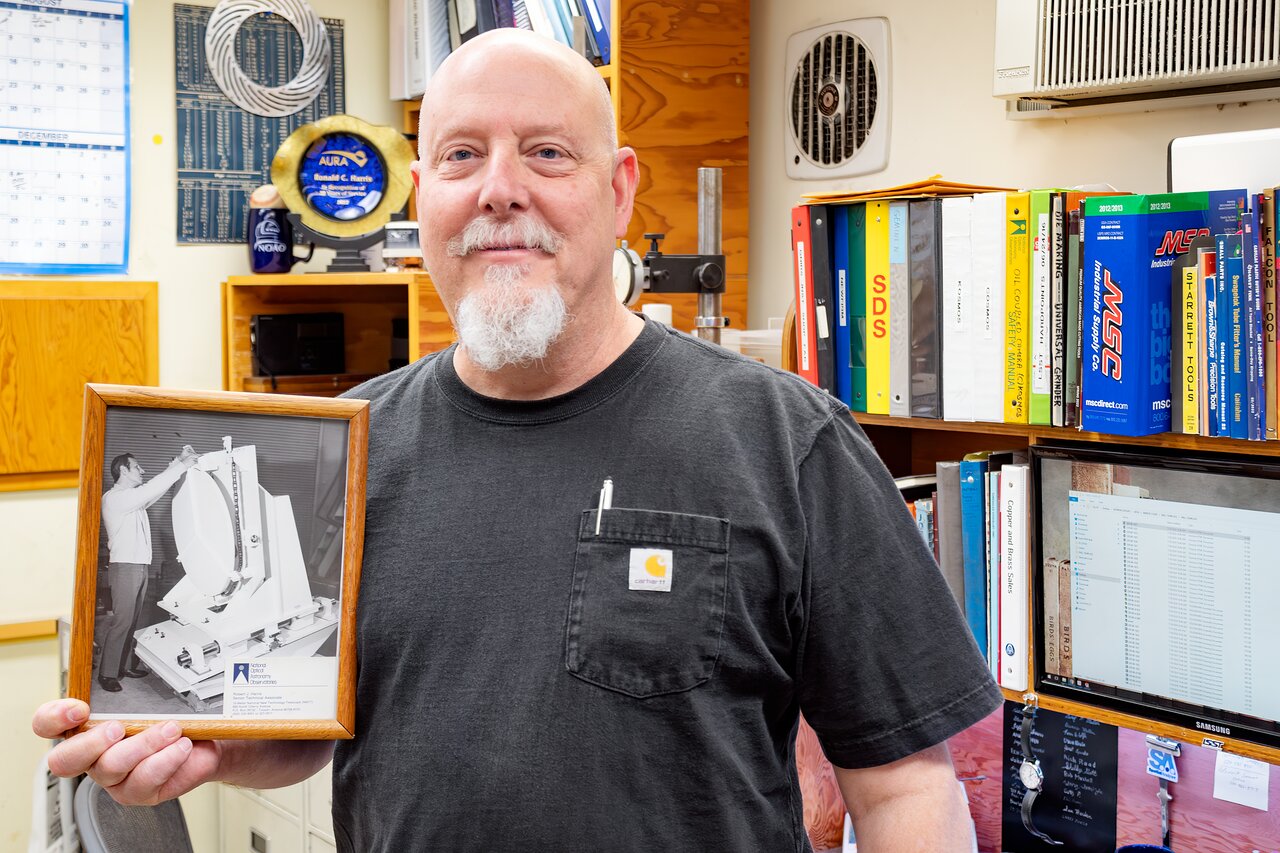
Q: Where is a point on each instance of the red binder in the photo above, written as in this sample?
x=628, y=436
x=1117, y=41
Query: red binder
x=802, y=267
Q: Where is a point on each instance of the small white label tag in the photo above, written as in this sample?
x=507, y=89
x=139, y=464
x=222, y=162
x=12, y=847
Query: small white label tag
x=292, y=688
x=651, y=569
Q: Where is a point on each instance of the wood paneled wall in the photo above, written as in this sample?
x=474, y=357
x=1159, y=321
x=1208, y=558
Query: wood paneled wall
x=683, y=91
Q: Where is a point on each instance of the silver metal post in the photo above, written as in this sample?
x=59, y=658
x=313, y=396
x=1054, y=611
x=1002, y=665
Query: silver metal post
x=707, y=325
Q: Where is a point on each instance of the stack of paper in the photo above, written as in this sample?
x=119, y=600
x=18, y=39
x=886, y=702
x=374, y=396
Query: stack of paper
x=932, y=186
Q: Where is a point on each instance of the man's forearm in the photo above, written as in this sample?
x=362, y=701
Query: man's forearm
x=913, y=805
x=928, y=822
x=143, y=496
x=271, y=763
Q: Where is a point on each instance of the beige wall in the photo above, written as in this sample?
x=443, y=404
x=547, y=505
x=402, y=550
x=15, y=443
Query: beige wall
x=38, y=528
x=945, y=120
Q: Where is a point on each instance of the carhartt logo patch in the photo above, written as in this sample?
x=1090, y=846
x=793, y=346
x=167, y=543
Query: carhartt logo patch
x=651, y=569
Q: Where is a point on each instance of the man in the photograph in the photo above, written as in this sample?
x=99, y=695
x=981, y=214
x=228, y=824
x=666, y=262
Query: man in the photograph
x=545, y=669
x=128, y=529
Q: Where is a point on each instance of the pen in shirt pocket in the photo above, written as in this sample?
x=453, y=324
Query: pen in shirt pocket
x=606, y=501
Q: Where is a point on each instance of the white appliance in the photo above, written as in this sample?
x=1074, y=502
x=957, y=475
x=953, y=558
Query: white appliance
x=245, y=593
x=1062, y=57
x=53, y=825
x=1223, y=161
x=837, y=100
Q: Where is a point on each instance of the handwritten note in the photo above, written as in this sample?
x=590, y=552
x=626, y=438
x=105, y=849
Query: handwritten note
x=1081, y=786
x=1237, y=779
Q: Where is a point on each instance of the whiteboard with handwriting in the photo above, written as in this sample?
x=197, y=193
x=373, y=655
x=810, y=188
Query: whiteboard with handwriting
x=64, y=136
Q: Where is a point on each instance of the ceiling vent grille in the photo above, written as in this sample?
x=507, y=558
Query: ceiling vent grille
x=837, y=103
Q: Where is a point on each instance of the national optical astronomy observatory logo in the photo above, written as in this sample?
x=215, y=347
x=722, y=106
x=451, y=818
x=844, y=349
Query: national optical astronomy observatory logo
x=253, y=675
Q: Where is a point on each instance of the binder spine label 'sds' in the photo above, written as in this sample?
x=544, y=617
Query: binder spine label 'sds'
x=1131, y=243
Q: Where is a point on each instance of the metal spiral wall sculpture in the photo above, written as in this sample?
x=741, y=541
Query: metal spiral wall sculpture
x=272, y=101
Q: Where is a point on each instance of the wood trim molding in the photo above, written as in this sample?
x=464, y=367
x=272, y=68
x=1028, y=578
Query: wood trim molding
x=40, y=629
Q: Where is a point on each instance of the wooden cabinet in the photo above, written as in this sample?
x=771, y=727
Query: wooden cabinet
x=54, y=337
x=370, y=303
x=915, y=445
x=679, y=80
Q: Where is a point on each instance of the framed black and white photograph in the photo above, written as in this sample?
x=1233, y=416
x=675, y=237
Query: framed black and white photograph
x=218, y=561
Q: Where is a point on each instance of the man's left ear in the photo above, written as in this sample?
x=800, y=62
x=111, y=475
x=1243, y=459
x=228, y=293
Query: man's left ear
x=626, y=176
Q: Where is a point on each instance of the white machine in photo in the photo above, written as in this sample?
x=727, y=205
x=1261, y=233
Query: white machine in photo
x=245, y=593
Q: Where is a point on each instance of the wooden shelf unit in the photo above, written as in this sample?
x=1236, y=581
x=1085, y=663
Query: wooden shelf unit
x=915, y=445
x=679, y=80
x=368, y=302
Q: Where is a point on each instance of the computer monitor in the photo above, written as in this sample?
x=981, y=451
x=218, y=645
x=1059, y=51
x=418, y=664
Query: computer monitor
x=1156, y=586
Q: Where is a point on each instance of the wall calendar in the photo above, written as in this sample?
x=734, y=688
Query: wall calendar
x=64, y=136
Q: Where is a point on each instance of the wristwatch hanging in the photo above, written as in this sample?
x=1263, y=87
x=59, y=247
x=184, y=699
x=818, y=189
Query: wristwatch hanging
x=1031, y=776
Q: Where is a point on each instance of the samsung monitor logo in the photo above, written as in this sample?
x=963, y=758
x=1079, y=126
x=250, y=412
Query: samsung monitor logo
x=1210, y=727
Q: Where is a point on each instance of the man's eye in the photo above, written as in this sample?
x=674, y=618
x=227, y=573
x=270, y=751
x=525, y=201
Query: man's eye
x=459, y=156
x=548, y=154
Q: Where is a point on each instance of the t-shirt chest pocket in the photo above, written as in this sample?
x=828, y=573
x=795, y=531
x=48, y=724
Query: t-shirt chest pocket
x=647, y=605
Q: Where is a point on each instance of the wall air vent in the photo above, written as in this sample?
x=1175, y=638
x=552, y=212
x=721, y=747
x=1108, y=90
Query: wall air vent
x=837, y=90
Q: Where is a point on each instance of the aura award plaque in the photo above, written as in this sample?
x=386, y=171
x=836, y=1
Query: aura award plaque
x=342, y=179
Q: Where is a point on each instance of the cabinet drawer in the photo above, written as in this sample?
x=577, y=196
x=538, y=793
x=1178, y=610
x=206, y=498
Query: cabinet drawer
x=289, y=799
x=251, y=826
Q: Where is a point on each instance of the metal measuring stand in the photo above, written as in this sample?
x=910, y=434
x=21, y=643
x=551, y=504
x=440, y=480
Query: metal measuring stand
x=702, y=273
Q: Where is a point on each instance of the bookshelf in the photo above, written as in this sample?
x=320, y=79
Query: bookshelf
x=915, y=445
x=679, y=81
x=368, y=302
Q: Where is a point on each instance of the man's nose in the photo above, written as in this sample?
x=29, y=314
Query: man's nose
x=504, y=190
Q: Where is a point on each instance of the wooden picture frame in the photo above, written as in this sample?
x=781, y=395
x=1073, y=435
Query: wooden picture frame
x=212, y=576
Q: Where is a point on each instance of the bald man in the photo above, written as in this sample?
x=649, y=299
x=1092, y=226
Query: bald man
x=541, y=669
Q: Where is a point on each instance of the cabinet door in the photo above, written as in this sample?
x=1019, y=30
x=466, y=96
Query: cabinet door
x=289, y=799
x=320, y=802
x=316, y=844
x=251, y=826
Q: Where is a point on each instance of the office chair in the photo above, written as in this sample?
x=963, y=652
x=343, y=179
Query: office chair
x=108, y=827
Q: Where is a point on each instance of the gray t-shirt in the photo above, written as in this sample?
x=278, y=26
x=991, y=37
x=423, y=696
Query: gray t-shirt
x=526, y=683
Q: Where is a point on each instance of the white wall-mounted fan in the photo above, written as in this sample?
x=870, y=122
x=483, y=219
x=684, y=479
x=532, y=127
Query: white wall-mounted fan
x=837, y=122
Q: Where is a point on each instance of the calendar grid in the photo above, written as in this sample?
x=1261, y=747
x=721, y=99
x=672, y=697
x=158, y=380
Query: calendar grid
x=64, y=137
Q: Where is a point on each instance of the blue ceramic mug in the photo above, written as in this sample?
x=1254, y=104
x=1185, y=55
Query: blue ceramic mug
x=270, y=234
